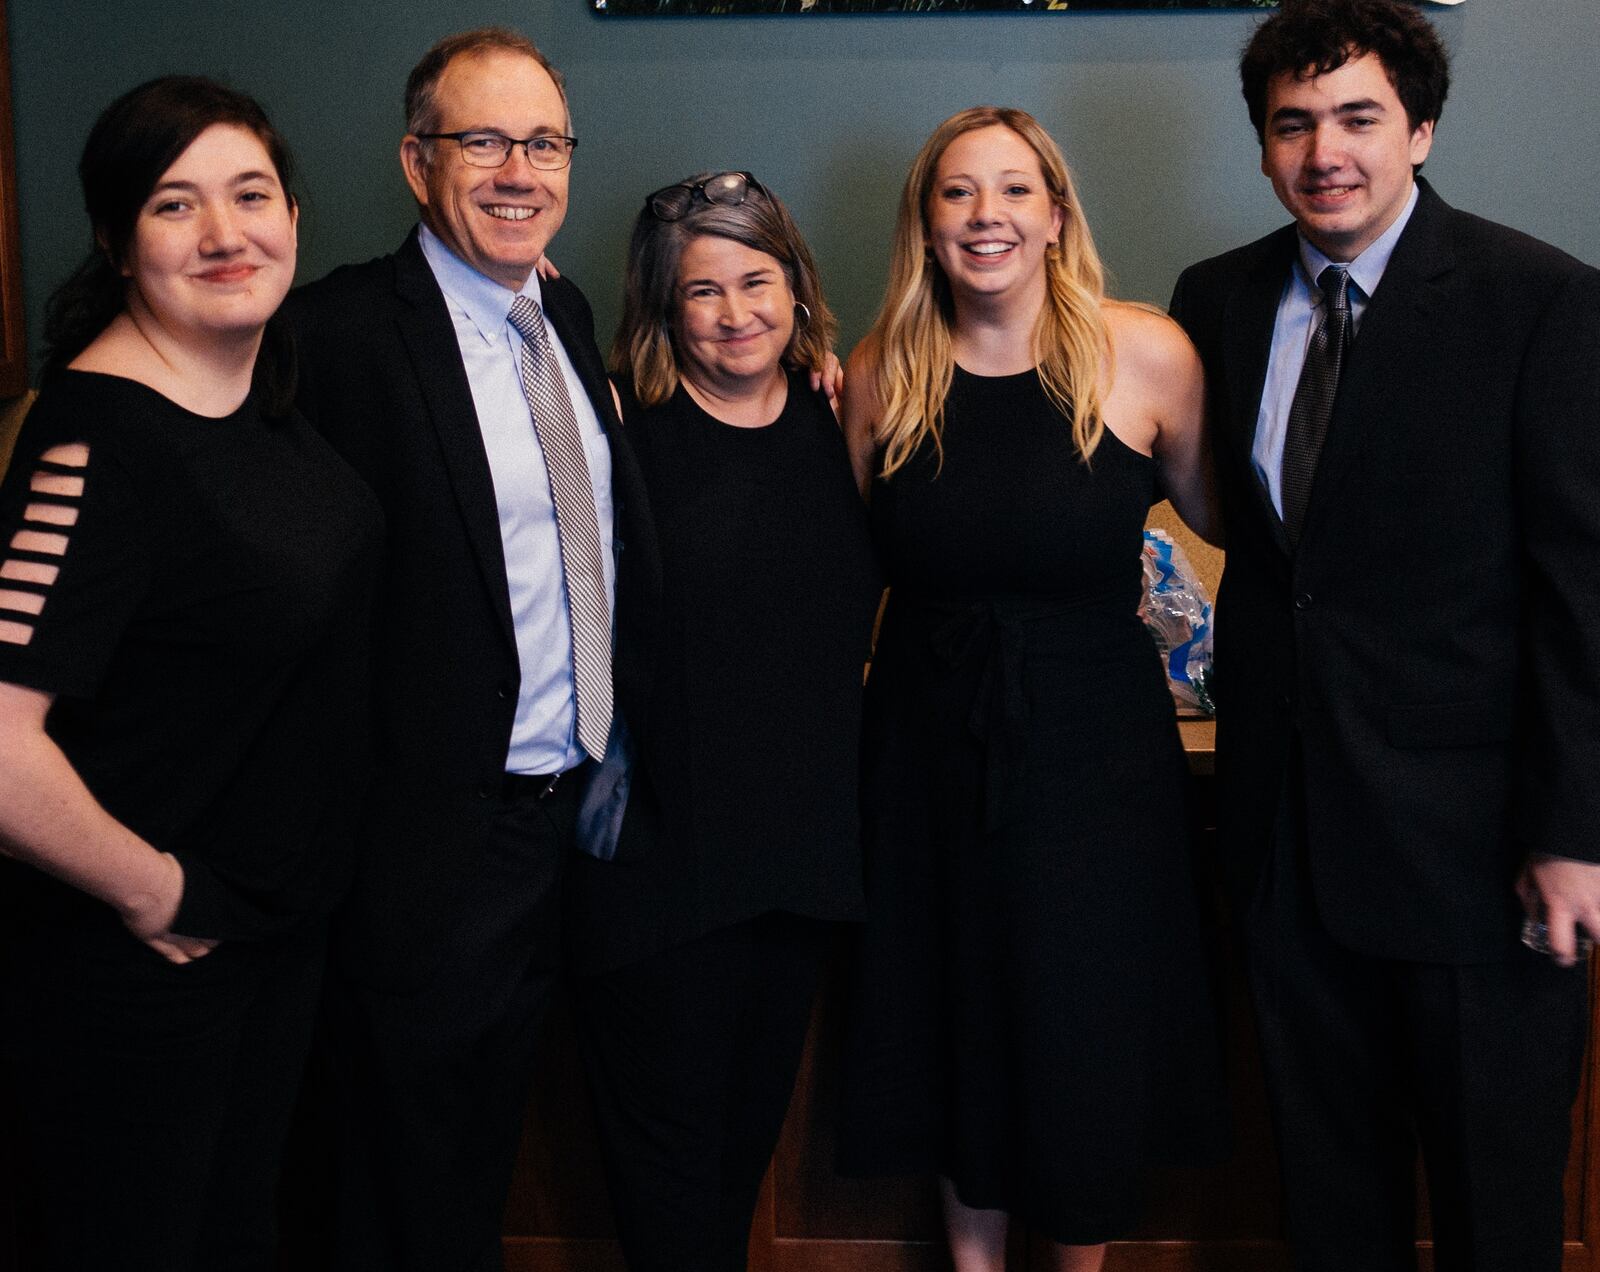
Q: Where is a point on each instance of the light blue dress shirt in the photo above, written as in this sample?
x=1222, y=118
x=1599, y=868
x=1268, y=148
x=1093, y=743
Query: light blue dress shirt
x=1299, y=310
x=543, y=737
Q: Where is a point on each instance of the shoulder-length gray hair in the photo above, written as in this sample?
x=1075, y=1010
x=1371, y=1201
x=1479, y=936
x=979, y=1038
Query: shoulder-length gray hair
x=643, y=347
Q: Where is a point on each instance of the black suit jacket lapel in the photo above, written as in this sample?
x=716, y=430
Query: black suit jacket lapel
x=1249, y=317
x=1394, y=327
x=580, y=347
x=627, y=484
x=638, y=561
x=430, y=338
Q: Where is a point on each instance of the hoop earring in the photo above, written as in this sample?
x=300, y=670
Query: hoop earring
x=802, y=315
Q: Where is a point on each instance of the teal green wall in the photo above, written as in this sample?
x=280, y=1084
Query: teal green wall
x=826, y=110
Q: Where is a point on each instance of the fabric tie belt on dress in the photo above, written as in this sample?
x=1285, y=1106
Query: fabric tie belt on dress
x=990, y=637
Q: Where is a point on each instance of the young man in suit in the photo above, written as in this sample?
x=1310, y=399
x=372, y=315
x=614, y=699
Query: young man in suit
x=1406, y=412
x=471, y=396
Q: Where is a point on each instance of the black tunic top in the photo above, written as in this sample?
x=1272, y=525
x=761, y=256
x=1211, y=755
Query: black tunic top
x=750, y=768
x=1033, y=1018
x=205, y=637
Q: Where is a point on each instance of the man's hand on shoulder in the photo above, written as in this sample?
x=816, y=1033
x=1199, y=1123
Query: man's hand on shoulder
x=1565, y=894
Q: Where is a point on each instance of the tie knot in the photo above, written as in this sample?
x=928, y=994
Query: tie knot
x=1335, y=284
x=526, y=318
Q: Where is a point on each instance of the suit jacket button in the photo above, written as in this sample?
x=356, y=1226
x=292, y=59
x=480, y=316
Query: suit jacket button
x=503, y=692
x=484, y=792
x=1303, y=601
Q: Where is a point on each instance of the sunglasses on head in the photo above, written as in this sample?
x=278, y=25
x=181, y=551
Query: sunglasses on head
x=729, y=189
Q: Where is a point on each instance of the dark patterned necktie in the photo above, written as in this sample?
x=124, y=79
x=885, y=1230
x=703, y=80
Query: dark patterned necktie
x=1313, y=398
x=577, y=526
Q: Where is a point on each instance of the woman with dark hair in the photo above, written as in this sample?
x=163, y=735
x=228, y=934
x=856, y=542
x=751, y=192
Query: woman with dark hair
x=1034, y=1023
x=185, y=570
x=700, y=944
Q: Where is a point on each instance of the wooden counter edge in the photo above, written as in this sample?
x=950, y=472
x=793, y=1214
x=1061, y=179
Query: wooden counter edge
x=1199, y=734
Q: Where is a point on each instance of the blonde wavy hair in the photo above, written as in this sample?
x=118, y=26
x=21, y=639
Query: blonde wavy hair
x=912, y=334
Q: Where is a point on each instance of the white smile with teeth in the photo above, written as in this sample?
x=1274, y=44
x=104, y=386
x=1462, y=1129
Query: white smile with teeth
x=508, y=213
x=989, y=249
x=1333, y=191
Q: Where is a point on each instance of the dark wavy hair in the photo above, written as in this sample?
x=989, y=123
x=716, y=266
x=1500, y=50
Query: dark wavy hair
x=1319, y=36
x=135, y=140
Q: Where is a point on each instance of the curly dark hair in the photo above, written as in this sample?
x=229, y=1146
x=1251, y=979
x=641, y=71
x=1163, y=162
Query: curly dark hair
x=1319, y=36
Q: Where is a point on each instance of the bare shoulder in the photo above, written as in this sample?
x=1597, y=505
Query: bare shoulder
x=863, y=411
x=863, y=359
x=861, y=382
x=1147, y=344
x=1157, y=395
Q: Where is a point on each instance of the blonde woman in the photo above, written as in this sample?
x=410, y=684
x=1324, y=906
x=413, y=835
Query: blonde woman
x=1033, y=1021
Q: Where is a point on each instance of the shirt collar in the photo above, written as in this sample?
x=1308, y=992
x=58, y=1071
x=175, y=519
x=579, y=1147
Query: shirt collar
x=1366, y=271
x=483, y=300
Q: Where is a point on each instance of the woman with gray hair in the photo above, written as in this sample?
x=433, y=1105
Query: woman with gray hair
x=698, y=946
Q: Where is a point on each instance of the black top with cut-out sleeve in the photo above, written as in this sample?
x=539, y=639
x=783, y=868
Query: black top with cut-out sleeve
x=201, y=612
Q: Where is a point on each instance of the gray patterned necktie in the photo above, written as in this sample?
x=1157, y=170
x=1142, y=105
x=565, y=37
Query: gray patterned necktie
x=577, y=526
x=1312, y=407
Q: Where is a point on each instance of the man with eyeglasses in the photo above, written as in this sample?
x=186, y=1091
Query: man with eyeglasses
x=470, y=394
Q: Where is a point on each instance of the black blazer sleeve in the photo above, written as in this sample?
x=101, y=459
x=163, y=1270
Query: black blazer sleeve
x=1431, y=650
x=1557, y=474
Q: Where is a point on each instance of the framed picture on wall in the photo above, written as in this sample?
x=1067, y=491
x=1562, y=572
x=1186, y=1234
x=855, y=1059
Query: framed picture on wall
x=686, y=8
x=13, y=340
x=695, y=8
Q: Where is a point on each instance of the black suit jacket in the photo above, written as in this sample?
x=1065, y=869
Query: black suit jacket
x=1435, y=640
x=381, y=376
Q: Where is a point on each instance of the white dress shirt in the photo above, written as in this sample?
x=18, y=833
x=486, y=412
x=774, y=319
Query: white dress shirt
x=1299, y=311
x=543, y=737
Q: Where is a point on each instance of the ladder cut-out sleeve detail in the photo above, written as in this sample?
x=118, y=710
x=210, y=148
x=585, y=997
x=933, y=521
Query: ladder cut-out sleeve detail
x=71, y=564
x=61, y=491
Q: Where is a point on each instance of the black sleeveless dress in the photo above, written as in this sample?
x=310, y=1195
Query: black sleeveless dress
x=1033, y=1017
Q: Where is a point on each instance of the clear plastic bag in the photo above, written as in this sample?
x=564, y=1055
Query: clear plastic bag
x=1177, y=613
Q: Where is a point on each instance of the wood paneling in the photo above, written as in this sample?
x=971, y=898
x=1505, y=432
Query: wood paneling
x=1224, y=1219
x=12, y=413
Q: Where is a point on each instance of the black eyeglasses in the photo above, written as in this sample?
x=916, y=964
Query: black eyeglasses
x=730, y=189
x=549, y=151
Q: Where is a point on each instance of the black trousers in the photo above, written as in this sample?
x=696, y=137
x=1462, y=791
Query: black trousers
x=433, y=1082
x=691, y=1057
x=1369, y=1060
x=153, y=1100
